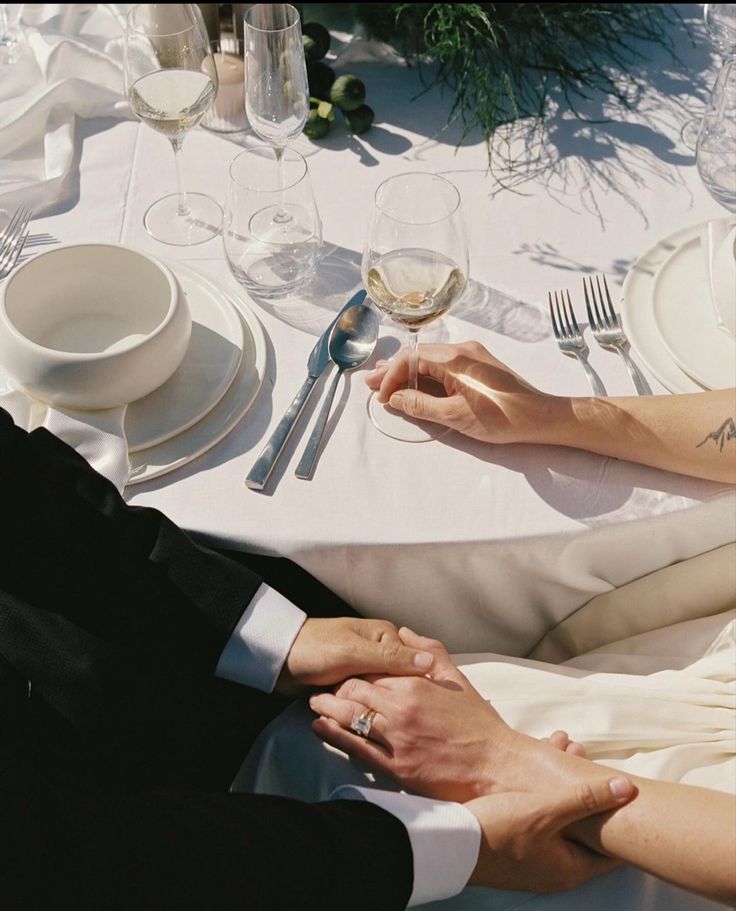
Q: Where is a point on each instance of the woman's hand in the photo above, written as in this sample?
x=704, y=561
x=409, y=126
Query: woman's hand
x=437, y=735
x=484, y=398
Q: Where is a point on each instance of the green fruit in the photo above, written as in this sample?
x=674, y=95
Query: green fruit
x=316, y=127
x=348, y=93
x=360, y=119
x=316, y=40
x=320, y=78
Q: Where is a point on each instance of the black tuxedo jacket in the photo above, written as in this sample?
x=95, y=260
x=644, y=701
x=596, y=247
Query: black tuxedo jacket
x=117, y=742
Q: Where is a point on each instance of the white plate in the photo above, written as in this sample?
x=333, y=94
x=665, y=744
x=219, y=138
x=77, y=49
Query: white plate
x=685, y=317
x=637, y=312
x=219, y=421
x=209, y=366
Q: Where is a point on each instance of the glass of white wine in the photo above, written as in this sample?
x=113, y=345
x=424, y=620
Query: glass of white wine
x=171, y=82
x=415, y=267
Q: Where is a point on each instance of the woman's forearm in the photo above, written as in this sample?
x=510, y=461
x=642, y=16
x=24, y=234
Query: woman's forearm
x=683, y=834
x=690, y=434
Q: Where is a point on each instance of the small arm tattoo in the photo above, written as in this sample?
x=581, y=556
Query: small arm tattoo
x=725, y=433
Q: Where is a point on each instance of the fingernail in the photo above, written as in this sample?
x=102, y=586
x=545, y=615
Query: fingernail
x=620, y=788
x=423, y=660
x=396, y=399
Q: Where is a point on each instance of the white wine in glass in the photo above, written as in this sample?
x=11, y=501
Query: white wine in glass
x=171, y=83
x=415, y=267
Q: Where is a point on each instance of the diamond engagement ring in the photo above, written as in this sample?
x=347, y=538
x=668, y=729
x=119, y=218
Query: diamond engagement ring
x=363, y=723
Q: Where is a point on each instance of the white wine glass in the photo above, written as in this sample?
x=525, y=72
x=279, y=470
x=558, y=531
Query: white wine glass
x=415, y=267
x=171, y=83
x=276, y=92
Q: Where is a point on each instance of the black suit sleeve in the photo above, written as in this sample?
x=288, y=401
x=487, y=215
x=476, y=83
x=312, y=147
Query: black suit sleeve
x=77, y=848
x=118, y=619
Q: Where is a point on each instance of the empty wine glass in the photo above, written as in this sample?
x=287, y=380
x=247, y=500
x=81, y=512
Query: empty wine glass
x=276, y=93
x=720, y=26
x=715, y=155
x=415, y=267
x=171, y=82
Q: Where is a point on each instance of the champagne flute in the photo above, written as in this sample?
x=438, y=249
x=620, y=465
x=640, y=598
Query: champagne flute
x=276, y=93
x=171, y=82
x=415, y=267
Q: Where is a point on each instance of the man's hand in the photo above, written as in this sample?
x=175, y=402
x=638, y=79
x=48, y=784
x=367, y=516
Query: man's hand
x=523, y=845
x=437, y=736
x=327, y=651
x=484, y=399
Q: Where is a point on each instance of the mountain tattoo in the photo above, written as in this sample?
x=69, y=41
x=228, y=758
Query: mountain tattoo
x=725, y=434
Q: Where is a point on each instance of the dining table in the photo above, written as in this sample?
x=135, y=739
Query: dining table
x=486, y=547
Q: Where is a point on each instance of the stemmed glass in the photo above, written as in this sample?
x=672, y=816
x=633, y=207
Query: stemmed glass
x=276, y=93
x=415, y=267
x=171, y=82
x=720, y=25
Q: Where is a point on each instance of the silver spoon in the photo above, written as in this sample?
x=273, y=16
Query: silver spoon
x=352, y=342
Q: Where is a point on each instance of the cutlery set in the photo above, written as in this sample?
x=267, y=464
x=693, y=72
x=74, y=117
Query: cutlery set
x=348, y=342
x=605, y=325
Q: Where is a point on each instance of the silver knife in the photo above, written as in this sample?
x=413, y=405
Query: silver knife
x=318, y=361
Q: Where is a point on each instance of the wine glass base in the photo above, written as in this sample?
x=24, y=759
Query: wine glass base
x=202, y=223
x=689, y=134
x=398, y=426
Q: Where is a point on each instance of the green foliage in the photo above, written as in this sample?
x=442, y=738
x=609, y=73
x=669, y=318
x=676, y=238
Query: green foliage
x=503, y=60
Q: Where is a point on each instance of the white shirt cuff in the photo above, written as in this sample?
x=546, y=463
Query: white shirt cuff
x=257, y=648
x=445, y=839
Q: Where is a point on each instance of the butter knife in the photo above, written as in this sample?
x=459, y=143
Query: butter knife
x=318, y=361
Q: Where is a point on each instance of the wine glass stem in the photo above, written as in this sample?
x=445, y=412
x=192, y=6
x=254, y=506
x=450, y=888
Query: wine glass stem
x=183, y=208
x=281, y=216
x=413, y=357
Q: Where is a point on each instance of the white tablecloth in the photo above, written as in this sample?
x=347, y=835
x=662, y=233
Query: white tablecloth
x=486, y=547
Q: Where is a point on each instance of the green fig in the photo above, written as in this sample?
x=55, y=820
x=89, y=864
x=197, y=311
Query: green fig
x=316, y=40
x=316, y=127
x=360, y=119
x=348, y=93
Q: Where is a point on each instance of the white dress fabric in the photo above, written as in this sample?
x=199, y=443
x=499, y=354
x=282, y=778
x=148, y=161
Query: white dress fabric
x=659, y=704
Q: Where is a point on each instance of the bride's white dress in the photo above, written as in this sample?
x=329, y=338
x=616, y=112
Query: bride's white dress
x=659, y=703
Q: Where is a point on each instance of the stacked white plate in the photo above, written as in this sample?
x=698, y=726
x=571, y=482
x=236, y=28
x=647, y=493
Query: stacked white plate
x=213, y=388
x=669, y=314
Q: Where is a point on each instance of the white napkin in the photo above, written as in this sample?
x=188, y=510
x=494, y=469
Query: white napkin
x=98, y=436
x=718, y=243
x=69, y=65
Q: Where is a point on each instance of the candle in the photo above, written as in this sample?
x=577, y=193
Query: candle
x=228, y=112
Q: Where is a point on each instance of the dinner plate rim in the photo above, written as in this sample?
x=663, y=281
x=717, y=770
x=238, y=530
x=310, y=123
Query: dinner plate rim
x=235, y=337
x=151, y=463
x=644, y=269
x=704, y=306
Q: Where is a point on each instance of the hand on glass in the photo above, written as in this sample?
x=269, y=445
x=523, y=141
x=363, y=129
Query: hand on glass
x=484, y=398
x=329, y=650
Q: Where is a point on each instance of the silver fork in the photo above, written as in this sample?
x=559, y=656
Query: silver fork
x=12, y=238
x=607, y=329
x=570, y=339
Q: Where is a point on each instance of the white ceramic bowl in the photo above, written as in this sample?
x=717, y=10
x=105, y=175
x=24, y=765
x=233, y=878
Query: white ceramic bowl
x=92, y=325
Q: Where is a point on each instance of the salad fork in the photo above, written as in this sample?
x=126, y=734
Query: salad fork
x=12, y=238
x=570, y=339
x=607, y=329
